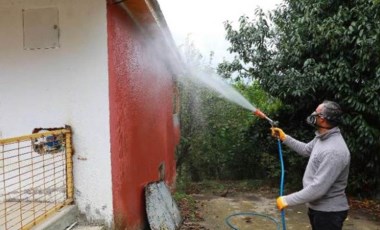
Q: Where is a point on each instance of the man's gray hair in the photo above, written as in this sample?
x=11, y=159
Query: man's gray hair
x=332, y=112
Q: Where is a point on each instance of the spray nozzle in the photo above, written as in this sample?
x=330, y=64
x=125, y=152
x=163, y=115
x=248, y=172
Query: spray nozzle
x=274, y=123
x=260, y=114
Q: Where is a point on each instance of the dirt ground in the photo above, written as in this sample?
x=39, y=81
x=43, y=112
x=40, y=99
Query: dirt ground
x=212, y=209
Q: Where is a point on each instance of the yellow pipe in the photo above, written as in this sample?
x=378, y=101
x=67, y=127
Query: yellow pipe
x=69, y=167
x=32, y=136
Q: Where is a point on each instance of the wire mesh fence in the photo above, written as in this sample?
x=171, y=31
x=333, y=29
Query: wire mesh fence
x=35, y=177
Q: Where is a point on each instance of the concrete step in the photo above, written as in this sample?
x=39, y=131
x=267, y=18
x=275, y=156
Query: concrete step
x=66, y=218
x=60, y=220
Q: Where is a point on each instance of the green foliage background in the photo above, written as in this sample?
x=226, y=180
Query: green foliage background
x=287, y=62
x=307, y=51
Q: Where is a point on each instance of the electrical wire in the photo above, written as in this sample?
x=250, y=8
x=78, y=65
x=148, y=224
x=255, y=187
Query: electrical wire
x=227, y=220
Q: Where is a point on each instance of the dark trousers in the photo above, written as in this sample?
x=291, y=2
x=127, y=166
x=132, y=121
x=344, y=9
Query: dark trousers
x=326, y=220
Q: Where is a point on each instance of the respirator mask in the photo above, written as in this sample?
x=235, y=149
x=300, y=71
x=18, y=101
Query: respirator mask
x=312, y=119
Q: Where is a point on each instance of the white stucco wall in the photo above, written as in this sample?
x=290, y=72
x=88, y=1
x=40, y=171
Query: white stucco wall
x=65, y=85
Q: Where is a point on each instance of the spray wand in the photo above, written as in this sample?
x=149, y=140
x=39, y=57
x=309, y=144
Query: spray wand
x=260, y=114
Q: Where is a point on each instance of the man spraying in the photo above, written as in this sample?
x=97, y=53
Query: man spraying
x=325, y=177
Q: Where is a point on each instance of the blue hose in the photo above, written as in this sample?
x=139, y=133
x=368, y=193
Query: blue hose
x=227, y=220
x=282, y=182
x=250, y=214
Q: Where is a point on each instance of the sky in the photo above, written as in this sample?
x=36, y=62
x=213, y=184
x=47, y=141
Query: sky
x=202, y=20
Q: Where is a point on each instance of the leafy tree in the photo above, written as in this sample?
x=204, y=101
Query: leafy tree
x=307, y=51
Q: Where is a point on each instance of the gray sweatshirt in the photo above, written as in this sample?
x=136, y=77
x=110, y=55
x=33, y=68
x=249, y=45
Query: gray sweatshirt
x=325, y=177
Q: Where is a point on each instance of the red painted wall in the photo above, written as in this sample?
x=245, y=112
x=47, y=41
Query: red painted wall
x=142, y=132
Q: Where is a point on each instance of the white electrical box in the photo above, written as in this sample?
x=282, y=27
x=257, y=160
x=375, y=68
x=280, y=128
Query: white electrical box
x=41, y=28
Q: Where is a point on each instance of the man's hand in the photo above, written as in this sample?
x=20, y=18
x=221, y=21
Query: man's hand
x=278, y=133
x=281, y=203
